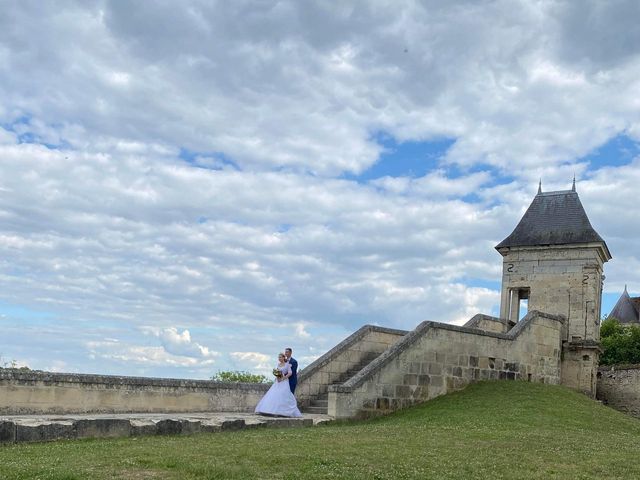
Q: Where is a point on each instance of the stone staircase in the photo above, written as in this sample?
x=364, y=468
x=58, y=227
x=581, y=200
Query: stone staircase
x=320, y=404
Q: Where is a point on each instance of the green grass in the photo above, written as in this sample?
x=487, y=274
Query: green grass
x=491, y=430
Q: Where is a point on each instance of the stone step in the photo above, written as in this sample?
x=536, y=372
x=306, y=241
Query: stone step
x=315, y=410
x=320, y=403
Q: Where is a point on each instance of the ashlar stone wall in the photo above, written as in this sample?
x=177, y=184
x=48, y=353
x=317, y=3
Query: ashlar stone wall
x=619, y=388
x=438, y=358
x=36, y=392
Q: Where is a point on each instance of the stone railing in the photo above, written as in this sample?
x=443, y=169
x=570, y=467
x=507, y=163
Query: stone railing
x=489, y=323
x=37, y=392
x=437, y=358
x=366, y=343
x=618, y=386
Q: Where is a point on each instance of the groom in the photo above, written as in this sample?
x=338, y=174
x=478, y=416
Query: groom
x=293, y=379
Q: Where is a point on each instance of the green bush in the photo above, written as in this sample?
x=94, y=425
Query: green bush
x=238, y=376
x=621, y=343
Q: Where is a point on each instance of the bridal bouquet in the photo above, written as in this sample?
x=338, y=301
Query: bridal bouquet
x=277, y=373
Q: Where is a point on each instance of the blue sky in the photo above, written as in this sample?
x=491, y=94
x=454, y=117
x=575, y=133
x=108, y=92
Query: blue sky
x=177, y=204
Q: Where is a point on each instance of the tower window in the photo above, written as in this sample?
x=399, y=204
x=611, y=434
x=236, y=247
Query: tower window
x=518, y=303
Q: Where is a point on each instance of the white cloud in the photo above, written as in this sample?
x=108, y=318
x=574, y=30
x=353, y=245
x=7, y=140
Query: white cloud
x=516, y=87
x=254, y=361
x=142, y=355
x=301, y=332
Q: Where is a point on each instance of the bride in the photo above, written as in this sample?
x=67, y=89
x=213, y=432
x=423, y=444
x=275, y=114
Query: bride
x=279, y=400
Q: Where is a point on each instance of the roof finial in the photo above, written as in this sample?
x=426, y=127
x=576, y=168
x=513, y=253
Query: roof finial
x=540, y=186
x=625, y=287
x=573, y=187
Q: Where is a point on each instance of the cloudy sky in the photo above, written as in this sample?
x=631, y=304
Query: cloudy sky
x=187, y=187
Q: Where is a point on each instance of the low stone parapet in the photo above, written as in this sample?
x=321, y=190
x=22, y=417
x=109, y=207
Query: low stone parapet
x=37, y=392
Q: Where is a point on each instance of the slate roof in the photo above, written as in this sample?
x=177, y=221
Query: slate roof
x=626, y=309
x=554, y=218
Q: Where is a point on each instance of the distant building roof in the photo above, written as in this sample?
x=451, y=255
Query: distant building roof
x=554, y=218
x=626, y=308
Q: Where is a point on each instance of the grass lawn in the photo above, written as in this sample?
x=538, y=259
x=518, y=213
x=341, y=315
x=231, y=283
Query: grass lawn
x=491, y=430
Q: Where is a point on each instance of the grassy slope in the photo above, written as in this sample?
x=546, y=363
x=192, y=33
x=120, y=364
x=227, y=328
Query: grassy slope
x=490, y=430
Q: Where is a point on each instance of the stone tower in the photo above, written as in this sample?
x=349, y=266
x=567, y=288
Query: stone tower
x=553, y=260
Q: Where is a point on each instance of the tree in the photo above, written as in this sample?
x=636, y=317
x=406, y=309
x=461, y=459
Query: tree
x=237, y=376
x=12, y=364
x=620, y=343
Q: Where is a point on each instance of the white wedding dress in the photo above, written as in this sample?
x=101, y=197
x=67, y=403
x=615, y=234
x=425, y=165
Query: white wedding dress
x=279, y=400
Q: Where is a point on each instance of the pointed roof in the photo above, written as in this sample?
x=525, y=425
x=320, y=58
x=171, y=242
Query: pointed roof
x=625, y=309
x=554, y=218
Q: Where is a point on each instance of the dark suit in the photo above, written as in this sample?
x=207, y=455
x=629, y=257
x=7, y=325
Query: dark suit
x=293, y=379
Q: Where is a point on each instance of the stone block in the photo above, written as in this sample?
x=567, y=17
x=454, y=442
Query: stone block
x=388, y=390
x=410, y=379
x=195, y=426
x=294, y=422
x=168, y=427
x=44, y=431
x=103, y=427
x=435, y=369
x=511, y=366
x=236, y=424
x=424, y=379
x=142, y=427
x=473, y=361
x=7, y=432
x=483, y=362
x=457, y=372
x=248, y=424
x=459, y=383
x=382, y=403
x=451, y=360
x=435, y=381
x=369, y=403
x=420, y=393
x=403, y=391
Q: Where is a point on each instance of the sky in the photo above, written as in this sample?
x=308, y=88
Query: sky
x=189, y=187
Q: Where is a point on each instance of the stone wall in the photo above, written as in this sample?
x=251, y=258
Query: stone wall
x=362, y=346
x=619, y=388
x=489, y=323
x=36, y=392
x=438, y=358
